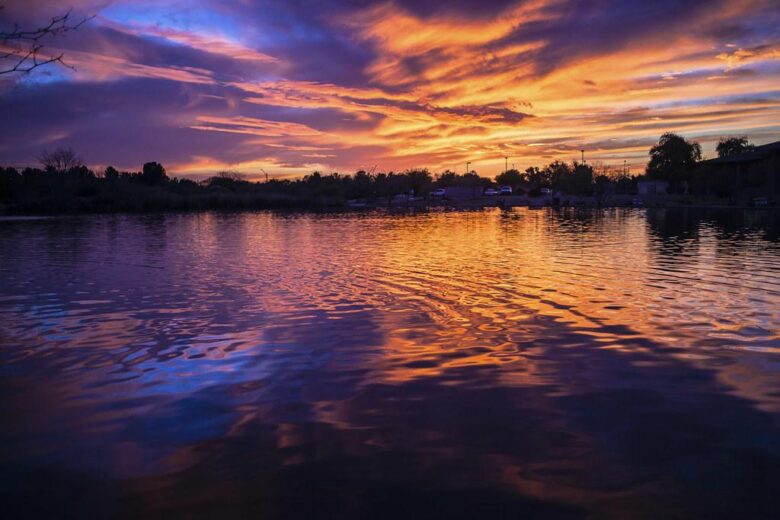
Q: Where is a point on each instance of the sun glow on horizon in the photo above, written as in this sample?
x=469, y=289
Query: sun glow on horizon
x=395, y=85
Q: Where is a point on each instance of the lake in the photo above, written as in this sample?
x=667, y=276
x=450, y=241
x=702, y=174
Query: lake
x=525, y=363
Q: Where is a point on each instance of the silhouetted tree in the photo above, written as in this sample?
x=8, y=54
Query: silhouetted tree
x=622, y=181
x=469, y=180
x=729, y=146
x=602, y=186
x=556, y=172
x=10, y=180
x=580, y=182
x=229, y=180
x=397, y=184
x=110, y=173
x=576, y=178
x=510, y=178
x=362, y=185
x=153, y=173
x=232, y=175
x=536, y=179
x=22, y=50
x=445, y=179
x=419, y=180
x=673, y=159
x=472, y=179
x=60, y=160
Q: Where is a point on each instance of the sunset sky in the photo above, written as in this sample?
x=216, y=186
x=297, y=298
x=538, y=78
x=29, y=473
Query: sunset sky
x=291, y=87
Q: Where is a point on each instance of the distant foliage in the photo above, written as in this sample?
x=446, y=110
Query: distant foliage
x=110, y=173
x=730, y=146
x=511, y=178
x=578, y=182
x=66, y=185
x=537, y=179
x=451, y=179
x=154, y=174
x=60, y=160
x=231, y=175
x=673, y=159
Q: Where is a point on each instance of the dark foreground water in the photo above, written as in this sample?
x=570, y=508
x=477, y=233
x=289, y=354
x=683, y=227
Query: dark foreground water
x=521, y=364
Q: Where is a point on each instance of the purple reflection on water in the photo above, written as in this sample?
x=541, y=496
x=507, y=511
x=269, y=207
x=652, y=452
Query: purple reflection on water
x=553, y=364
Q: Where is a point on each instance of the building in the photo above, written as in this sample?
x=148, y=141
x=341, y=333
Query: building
x=750, y=175
x=651, y=187
x=463, y=192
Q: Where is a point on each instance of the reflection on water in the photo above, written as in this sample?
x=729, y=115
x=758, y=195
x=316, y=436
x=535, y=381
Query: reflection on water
x=553, y=364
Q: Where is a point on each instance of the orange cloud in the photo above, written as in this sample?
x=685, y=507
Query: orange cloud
x=531, y=81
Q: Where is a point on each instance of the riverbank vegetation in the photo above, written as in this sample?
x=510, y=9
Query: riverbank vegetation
x=63, y=184
x=74, y=188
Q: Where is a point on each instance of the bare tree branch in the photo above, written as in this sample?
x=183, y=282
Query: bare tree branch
x=21, y=50
x=60, y=160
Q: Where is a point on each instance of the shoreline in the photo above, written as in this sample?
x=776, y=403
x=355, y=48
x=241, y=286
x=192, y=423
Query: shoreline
x=9, y=215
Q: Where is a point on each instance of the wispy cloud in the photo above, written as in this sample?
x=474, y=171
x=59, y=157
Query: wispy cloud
x=344, y=84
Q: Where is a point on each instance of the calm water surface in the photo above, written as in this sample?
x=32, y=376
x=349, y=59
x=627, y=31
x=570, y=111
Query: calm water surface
x=605, y=364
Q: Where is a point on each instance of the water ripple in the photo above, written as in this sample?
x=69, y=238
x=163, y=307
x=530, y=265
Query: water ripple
x=592, y=362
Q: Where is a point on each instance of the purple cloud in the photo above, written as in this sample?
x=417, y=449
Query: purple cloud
x=298, y=85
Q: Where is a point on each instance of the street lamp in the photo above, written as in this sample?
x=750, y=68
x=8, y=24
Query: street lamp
x=506, y=164
x=467, y=167
x=583, y=156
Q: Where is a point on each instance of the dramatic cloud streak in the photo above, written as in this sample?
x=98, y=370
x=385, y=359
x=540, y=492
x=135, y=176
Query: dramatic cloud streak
x=346, y=84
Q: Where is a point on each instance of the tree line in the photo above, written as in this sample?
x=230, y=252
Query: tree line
x=679, y=162
x=64, y=184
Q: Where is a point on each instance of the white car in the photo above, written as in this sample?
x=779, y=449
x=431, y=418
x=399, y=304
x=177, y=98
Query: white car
x=505, y=190
x=441, y=192
x=490, y=192
x=546, y=191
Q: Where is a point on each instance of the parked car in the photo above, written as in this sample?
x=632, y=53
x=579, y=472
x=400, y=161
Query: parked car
x=440, y=192
x=490, y=192
x=505, y=190
x=545, y=191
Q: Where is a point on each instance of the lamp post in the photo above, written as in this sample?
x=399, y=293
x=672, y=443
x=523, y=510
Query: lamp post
x=583, y=156
x=506, y=164
x=467, y=167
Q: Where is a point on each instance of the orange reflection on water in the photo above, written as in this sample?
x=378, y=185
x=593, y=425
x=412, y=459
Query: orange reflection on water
x=518, y=350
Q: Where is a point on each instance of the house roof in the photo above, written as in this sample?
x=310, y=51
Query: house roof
x=757, y=154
